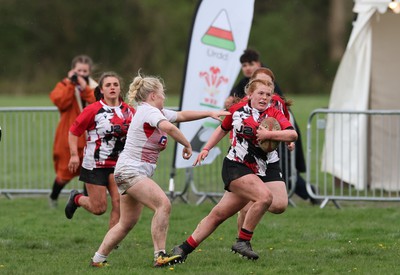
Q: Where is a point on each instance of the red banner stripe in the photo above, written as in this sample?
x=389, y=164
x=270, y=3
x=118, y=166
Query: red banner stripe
x=220, y=33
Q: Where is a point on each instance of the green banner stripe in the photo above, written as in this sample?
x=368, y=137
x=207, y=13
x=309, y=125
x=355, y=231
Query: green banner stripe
x=218, y=42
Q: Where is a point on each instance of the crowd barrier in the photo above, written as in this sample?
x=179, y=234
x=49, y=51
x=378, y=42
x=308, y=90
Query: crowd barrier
x=27, y=166
x=353, y=155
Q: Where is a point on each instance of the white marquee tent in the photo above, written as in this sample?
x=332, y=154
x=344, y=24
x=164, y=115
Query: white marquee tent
x=368, y=78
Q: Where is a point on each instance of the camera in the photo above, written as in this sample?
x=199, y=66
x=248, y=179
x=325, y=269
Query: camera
x=74, y=79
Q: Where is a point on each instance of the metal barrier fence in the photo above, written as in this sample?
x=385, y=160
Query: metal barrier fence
x=353, y=155
x=26, y=160
x=26, y=165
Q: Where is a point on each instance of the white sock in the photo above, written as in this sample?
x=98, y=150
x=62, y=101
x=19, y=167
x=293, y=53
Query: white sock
x=158, y=251
x=99, y=258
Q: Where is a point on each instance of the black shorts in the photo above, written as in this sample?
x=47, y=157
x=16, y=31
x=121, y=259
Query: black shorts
x=232, y=170
x=97, y=176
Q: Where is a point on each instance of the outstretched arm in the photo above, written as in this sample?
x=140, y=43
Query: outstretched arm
x=194, y=115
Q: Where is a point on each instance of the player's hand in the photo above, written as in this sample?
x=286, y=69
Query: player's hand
x=187, y=152
x=217, y=114
x=70, y=73
x=262, y=133
x=73, y=164
x=82, y=82
x=200, y=157
x=291, y=146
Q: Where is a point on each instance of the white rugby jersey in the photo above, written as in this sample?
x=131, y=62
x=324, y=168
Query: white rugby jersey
x=145, y=140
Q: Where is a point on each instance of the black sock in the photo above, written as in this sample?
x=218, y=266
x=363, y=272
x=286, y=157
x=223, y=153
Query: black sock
x=186, y=247
x=56, y=190
x=85, y=193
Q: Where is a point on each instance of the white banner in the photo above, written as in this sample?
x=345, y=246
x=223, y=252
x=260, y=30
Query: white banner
x=220, y=34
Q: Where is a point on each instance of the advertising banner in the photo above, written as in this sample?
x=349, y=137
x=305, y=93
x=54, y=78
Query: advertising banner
x=220, y=34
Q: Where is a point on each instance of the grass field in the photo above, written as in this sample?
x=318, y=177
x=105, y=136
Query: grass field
x=362, y=239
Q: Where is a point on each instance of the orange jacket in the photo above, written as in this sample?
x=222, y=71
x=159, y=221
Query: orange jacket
x=63, y=96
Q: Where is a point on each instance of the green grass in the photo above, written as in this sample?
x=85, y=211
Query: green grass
x=302, y=107
x=25, y=100
x=362, y=239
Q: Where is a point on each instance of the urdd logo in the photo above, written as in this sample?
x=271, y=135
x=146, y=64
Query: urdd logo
x=219, y=34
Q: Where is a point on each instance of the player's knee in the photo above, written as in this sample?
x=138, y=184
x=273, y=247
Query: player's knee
x=126, y=227
x=164, y=206
x=166, y=209
x=99, y=211
x=263, y=202
x=278, y=207
x=217, y=217
x=99, y=208
x=266, y=198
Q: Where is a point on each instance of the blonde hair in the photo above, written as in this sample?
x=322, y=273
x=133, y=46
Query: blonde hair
x=142, y=86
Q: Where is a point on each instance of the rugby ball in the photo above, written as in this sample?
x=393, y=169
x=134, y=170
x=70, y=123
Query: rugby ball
x=271, y=124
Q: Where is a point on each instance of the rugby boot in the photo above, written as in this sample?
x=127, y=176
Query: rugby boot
x=244, y=249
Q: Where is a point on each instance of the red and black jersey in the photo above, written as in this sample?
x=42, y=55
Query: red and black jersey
x=244, y=121
x=106, y=127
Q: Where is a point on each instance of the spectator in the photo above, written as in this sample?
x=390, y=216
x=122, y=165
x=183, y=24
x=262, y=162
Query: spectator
x=70, y=95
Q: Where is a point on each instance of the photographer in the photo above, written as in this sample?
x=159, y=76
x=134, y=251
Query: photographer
x=70, y=95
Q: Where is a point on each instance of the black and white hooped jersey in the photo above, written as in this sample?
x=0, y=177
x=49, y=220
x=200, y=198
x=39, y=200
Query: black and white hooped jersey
x=106, y=127
x=243, y=122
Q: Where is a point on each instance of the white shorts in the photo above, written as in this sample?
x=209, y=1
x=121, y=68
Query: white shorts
x=128, y=174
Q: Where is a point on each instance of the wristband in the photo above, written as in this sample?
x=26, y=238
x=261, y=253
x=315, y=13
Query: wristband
x=206, y=149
